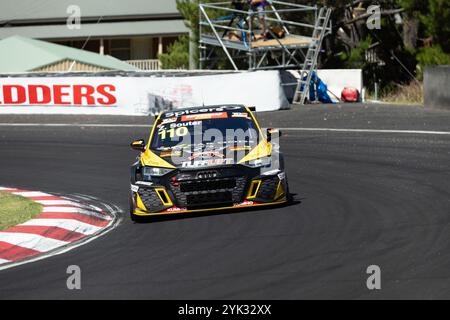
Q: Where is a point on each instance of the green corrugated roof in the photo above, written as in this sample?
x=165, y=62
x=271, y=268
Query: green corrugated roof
x=98, y=30
x=24, y=10
x=20, y=54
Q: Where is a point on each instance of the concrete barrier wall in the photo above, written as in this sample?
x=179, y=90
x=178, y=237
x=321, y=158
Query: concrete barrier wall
x=138, y=94
x=437, y=87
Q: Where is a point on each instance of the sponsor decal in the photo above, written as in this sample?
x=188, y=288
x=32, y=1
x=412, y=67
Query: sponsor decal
x=271, y=172
x=243, y=148
x=281, y=175
x=175, y=209
x=205, y=116
x=134, y=188
x=144, y=183
x=185, y=124
x=166, y=154
x=206, y=163
x=182, y=177
x=240, y=115
x=203, y=110
x=176, y=147
x=169, y=120
x=206, y=154
x=58, y=94
x=244, y=203
x=195, y=164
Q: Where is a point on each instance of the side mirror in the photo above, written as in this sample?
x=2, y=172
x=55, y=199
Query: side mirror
x=138, y=145
x=273, y=133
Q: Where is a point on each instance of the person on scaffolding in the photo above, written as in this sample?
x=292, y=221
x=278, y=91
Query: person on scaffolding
x=239, y=5
x=259, y=6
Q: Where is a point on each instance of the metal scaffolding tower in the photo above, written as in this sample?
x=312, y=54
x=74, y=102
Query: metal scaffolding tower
x=229, y=27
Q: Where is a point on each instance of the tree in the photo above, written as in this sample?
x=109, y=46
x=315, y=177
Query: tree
x=177, y=56
x=189, y=10
x=436, y=23
x=413, y=34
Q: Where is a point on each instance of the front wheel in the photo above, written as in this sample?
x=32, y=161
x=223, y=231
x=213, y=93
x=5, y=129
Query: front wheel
x=289, y=197
x=132, y=215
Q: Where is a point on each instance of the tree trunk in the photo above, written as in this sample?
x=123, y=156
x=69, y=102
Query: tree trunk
x=410, y=32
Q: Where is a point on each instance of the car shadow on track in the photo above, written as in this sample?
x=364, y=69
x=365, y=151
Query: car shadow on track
x=169, y=217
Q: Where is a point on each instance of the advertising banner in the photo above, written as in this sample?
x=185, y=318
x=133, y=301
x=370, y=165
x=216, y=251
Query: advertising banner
x=138, y=95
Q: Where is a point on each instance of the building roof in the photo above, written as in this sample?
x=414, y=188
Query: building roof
x=94, y=30
x=47, y=19
x=20, y=54
x=13, y=10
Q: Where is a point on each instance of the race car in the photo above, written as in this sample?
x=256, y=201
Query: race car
x=207, y=158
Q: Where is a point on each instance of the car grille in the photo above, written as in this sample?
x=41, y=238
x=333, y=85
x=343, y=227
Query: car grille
x=205, y=199
x=209, y=191
x=268, y=188
x=207, y=185
x=150, y=199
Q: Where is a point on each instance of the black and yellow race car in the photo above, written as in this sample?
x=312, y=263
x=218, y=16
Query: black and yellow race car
x=207, y=158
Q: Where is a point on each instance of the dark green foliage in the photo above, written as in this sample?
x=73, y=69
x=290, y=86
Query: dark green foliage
x=177, y=56
x=399, y=60
x=430, y=56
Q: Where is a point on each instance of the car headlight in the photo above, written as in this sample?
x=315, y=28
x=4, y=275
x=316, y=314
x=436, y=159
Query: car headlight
x=148, y=172
x=258, y=163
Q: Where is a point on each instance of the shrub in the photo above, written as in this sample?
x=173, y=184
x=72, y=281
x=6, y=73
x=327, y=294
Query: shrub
x=430, y=56
x=177, y=56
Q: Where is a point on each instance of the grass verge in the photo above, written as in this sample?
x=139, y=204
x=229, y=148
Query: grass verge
x=411, y=93
x=406, y=94
x=16, y=209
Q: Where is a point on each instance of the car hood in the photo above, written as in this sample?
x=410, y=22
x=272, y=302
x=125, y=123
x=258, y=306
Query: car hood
x=198, y=156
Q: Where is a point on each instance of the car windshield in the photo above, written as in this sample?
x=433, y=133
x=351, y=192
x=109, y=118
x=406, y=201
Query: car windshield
x=210, y=128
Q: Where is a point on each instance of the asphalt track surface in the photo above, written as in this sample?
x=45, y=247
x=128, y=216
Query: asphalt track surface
x=361, y=198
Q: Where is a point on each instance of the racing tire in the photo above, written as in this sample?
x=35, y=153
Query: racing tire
x=289, y=197
x=133, y=217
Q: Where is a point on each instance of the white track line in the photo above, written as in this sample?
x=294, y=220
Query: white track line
x=367, y=130
x=113, y=125
x=58, y=202
x=31, y=241
x=68, y=224
x=76, y=210
x=31, y=194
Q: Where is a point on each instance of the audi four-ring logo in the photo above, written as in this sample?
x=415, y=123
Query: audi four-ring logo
x=207, y=174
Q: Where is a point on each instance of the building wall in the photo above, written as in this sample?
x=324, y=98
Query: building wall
x=66, y=65
x=131, y=48
x=141, y=48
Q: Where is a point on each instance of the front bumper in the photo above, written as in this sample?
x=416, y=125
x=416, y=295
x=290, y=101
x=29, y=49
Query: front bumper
x=208, y=189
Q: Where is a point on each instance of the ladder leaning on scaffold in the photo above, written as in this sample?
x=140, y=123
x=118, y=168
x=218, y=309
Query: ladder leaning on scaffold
x=310, y=63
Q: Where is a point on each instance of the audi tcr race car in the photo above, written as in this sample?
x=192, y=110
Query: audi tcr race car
x=207, y=158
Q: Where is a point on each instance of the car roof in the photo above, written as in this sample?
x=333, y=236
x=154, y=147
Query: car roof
x=204, y=109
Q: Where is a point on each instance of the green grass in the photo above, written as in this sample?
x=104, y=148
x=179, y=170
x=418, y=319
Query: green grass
x=16, y=209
